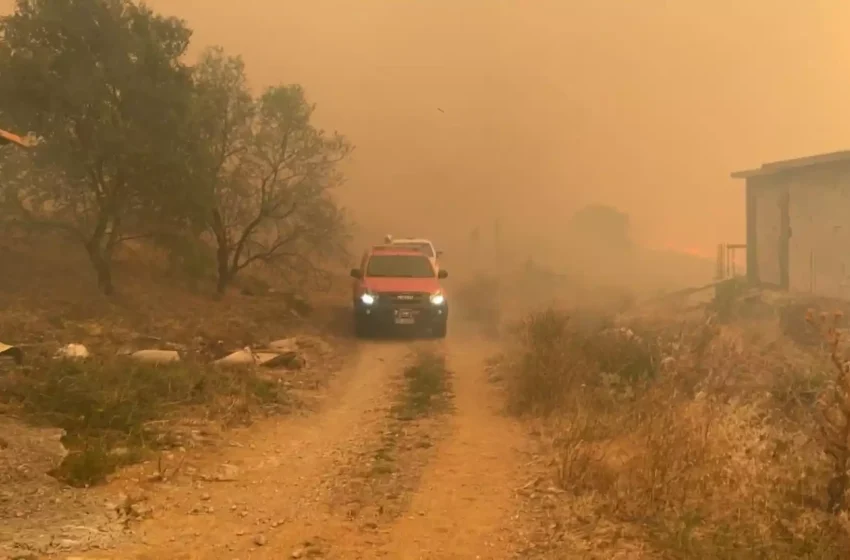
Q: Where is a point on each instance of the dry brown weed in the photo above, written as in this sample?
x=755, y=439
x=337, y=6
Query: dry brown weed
x=708, y=452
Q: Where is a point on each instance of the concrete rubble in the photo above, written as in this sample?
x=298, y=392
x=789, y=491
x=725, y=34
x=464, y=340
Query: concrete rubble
x=12, y=352
x=246, y=357
x=156, y=356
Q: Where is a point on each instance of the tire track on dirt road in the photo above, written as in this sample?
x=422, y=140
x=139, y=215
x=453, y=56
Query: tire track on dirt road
x=466, y=506
x=279, y=497
x=375, y=491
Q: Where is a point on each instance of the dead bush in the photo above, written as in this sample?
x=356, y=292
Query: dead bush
x=698, y=440
x=544, y=373
x=427, y=386
x=834, y=407
x=479, y=301
x=559, y=353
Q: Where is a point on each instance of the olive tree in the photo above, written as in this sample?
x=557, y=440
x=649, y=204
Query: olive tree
x=101, y=84
x=267, y=173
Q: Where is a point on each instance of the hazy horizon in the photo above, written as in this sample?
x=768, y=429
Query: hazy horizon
x=464, y=113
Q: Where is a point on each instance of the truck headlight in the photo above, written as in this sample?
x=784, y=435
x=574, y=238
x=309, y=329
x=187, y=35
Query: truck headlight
x=367, y=299
x=438, y=299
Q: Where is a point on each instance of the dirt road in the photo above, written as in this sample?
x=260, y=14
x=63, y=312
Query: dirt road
x=315, y=485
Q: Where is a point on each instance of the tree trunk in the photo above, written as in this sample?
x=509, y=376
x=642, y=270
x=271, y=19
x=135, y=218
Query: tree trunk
x=224, y=275
x=102, y=265
x=104, y=279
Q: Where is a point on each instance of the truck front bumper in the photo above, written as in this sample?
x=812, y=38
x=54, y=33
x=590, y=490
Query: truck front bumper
x=392, y=317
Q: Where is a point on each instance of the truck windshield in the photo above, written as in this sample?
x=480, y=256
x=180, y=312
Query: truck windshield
x=399, y=266
x=424, y=248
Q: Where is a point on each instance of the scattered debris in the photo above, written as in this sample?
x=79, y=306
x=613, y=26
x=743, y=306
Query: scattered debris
x=289, y=360
x=12, y=352
x=247, y=357
x=156, y=356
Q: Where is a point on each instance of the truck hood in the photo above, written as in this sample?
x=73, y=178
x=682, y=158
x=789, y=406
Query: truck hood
x=378, y=285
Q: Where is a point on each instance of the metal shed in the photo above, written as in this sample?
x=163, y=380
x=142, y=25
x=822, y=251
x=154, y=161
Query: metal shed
x=798, y=224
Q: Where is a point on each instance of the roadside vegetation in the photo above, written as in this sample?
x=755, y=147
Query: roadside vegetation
x=678, y=437
x=424, y=395
x=427, y=387
x=135, y=144
x=120, y=411
x=162, y=204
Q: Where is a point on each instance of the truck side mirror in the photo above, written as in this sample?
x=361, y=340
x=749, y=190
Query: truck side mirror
x=355, y=273
x=442, y=274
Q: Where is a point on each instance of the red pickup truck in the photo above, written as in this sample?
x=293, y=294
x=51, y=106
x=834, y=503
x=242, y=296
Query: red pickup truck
x=398, y=288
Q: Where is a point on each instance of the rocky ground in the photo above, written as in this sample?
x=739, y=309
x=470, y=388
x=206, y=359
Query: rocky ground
x=352, y=476
x=344, y=470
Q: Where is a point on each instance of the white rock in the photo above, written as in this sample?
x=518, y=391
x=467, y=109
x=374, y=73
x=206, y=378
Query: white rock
x=73, y=351
x=156, y=356
x=246, y=357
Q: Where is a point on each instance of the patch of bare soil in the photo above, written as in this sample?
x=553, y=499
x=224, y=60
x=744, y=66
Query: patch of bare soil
x=376, y=488
x=58, y=518
x=466, y=504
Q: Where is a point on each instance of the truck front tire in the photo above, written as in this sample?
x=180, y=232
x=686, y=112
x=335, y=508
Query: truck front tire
x=440, y=330
x=361, y=329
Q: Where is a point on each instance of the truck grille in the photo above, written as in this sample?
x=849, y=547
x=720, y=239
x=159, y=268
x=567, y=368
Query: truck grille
x=405, y=298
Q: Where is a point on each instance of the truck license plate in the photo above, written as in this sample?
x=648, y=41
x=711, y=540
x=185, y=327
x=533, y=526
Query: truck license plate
x=404, y=317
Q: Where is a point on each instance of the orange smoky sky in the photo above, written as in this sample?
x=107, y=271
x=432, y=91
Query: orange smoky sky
x=469, y=111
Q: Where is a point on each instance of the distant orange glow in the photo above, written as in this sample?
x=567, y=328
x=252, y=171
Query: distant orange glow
x=693, y=251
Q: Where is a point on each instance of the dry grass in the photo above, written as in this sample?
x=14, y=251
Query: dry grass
x=426, y=393
x=679, y=440
x=49, y=298
x=427, y=386
x=114, y=412
x=380, y=484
